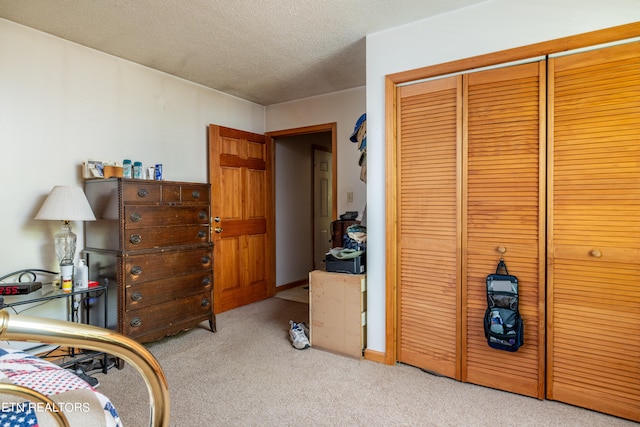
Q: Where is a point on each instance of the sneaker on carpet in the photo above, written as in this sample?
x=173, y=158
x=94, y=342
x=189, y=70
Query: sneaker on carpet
x=305, y=328
x=297, y=336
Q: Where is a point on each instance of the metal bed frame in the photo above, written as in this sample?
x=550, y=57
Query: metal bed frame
x=18, y=327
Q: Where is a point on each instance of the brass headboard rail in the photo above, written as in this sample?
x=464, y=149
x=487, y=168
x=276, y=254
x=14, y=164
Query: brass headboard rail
x=59, y=332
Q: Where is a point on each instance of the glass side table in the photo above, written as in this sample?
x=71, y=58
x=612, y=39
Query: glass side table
x=75, y=299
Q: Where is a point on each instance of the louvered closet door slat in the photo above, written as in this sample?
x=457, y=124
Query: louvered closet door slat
x=427, y=222
x=504, y=111
x=594, y=273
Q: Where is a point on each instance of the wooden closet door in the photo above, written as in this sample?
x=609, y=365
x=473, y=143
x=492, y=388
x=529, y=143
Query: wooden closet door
x=428, y=166
x=504, y=208
x=594, y=230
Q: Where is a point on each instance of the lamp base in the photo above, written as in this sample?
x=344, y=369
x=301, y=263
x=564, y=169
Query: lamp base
x=65, y=243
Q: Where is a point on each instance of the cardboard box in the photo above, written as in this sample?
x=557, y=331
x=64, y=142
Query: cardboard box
x=337, y=312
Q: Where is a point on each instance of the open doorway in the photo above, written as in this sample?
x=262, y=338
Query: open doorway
x=304, y=195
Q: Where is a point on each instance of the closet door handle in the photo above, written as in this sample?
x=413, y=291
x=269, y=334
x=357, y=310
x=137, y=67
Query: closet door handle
x=595, y=253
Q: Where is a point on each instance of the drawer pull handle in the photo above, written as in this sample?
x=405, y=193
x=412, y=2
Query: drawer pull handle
x=137, y=296
x=136, y=270
x=143, y=192
x=205, y=302
x=202, y=234
x=135, y=322
x=206, y=260
x=595, y=253
x=202, y=215
x=135, y=239
x=206, y=281
x=136, y=217
x=195, y=194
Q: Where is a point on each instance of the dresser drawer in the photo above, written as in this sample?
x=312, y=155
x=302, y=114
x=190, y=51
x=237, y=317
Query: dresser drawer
x=161, y=265
x=140, y=192
x=139, y=216
x=155, y=237
x=185, y=193
x=167, y=315
x=172, y=288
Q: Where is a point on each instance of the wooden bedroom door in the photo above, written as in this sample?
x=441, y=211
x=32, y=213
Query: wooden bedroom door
x=242, y=211
x=504, y=213
x=428, y=236
x=593, y=305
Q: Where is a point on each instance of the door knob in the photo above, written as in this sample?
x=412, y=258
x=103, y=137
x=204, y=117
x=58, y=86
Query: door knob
x=218, y=229
x=595, y=253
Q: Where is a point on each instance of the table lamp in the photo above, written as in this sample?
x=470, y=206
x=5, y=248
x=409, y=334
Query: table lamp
x=66, y=203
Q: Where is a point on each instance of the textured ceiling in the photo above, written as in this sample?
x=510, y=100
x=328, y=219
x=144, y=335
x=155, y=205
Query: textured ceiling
x=264, y=51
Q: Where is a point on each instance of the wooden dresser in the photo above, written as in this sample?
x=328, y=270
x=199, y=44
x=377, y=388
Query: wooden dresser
x=151, y=241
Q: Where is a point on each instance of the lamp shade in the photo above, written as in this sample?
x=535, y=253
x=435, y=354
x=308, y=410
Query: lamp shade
x=66, y=203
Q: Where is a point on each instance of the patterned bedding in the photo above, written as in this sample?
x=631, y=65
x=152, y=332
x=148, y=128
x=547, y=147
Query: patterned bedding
x=83, y=405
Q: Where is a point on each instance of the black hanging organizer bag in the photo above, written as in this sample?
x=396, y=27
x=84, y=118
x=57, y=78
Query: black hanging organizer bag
x=503, y=325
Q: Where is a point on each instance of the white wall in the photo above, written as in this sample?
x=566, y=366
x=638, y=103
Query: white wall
x=293, y=211
x=61, y=103
x=344, y=108
x=487, y=27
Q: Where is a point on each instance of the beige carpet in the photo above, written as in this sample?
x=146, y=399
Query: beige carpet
x=247, y=374
x=299, y=294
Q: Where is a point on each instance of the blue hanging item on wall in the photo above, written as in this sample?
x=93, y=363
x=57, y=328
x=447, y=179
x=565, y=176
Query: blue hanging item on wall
x=360, y=137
